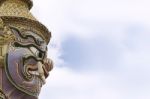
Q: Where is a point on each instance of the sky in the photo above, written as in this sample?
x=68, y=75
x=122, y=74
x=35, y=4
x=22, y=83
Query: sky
x=100, y=48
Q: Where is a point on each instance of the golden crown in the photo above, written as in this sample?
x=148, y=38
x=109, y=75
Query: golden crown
x=19, y=11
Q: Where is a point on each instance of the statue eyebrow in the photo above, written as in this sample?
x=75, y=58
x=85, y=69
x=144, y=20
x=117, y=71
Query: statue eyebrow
x=26, y=36
x=16, y=44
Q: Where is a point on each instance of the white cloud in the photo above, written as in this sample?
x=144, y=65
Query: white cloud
x=124, y=23
x=66, y=84
x=82, y=17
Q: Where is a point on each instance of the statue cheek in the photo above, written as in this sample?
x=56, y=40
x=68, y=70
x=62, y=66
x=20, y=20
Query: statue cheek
x=18, y=73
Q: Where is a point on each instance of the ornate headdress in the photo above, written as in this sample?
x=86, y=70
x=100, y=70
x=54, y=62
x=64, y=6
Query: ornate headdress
x=18, y=12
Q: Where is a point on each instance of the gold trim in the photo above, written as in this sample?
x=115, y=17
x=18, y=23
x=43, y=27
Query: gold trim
x=1, y=78
x=5, y=38
x=16, y=8
x=17, y=11
x=29, y=3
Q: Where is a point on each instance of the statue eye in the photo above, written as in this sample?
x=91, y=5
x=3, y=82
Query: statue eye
x=40, y=55
x=36, y=52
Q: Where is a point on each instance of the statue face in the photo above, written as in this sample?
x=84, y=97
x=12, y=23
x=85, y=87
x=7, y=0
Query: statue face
x=26, y=61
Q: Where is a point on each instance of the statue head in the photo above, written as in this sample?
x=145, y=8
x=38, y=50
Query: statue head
x=23, y=47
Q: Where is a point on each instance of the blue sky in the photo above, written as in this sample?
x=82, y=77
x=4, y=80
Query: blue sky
x=100, y=48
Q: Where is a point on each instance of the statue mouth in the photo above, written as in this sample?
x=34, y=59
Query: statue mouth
x=34, y=70
x=40, y=69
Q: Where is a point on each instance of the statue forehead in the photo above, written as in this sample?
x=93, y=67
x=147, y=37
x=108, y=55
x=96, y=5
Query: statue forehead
x=27, y=30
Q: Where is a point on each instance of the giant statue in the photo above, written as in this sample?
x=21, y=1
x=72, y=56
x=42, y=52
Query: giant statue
x=24, y=65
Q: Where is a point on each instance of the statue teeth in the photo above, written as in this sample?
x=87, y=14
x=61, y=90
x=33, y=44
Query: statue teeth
x=41, y=72
x=34, y=73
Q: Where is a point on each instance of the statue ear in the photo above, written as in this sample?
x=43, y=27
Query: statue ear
x=6, y=36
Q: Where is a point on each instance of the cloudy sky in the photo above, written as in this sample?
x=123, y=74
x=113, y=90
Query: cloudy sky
x=101, y=48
